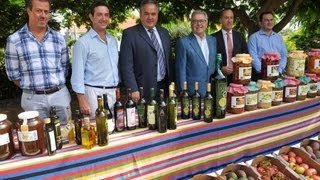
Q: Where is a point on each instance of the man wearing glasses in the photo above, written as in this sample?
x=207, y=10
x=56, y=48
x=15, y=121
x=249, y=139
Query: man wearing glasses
x=195, y=55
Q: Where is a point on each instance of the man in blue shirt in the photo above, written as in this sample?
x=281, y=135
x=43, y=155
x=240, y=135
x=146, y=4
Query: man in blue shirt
x=36, y=60
x=95, y=62
x=266, y=40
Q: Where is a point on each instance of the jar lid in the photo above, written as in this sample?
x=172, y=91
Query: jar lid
x=315, y=50
x=304, y=79
x=3, y=117
x=28, y=115
x=244, y=58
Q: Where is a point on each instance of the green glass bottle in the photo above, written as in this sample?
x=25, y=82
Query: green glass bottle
x=55, y=121
x=208, y=105
x=77, y=125
x=130, y=112
x=50, y=138
x=185, y=102
x=152, y=111
x=111, y=123
x=101, y=123
x=162, y=114
x=142, y=110
x=172, y=110
x=196, y=103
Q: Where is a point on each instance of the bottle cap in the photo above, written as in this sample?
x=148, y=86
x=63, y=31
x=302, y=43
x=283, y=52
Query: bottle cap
x=28, y=115
x=3, y=117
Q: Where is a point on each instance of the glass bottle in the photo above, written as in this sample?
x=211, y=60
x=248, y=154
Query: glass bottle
x=152, y=111
x=185, y=102
x=111, y=124
x=55, y=121
x=162, y=114
x=172, y=110
x=119, y=112
x=6, y=138
x=69, y=130
x=50, y=138
x=77, y=125
x=208, y=105
x=130, y=112
x=102, y=124
x=196, y=103
x=142, y=113
x=88, y=136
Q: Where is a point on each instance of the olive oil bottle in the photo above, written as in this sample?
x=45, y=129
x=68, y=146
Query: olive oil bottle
x=185, y=102
x=55, y=121
x=50, y=138
x=172, y=110
x=162, y=114
x=102, y=124
x=88, y=135
x=196, y=103
x=208, y=105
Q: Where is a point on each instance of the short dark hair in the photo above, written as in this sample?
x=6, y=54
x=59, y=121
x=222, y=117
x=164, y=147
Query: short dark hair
x=225, y=9
x=264, y=13
x=97, y=4
x=144, y=2
x=29, y=3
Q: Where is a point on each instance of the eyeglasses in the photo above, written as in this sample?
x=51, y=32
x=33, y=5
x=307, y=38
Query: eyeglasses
x=200, y=21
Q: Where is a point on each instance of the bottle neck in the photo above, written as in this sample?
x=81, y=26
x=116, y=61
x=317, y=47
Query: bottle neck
x=100, y=106
x=118, y=96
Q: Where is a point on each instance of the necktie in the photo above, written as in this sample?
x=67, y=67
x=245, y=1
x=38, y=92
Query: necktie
x=230, y=49
x=160, y=54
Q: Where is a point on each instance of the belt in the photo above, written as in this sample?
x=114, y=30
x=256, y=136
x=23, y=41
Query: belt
x=45, y=91
x=102, y=87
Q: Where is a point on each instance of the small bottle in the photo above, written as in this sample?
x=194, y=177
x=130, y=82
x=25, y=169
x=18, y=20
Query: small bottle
x=6, y=138
x=152, y=111
x=142, y=113
x=102, y=124
x=119, y=113
x=69, y=130
x=88, y=139
x=208, y=105
x=130, y=112
x=196, y=103
x=162, y=114
x=77, y=125
x=172, y=110
x=111, y=123
x=55, y=121
x=50, y=138
x=185, y=102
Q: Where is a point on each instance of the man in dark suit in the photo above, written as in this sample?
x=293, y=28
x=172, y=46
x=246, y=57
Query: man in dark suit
x=235, y=39
x=145, y=52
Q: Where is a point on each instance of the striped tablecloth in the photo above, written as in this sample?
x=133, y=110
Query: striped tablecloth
x=195, y=147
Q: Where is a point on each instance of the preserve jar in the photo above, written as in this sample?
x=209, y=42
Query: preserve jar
x=290, y=89
x=303, y=88
x=318, y=87
x=265, y=93
x=235, y=96
x=31, y=133
x=277, y=92
x=313, y=85
x=270, y=66
x=6, y=138
x=296, y=63
x=314, y=61
x=251, y=98
x=242, y=68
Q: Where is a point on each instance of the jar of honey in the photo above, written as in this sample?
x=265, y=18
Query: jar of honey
x=31, y=133
x=270, y=66
x=242, y=69
x=314, y=61
x=251, y=98
x=6, y=138
x=313, y=85
x=303, y=88
x=277, y=92
x=236, y=98
x=290, y=89
x=265, y=94
x=296, y=63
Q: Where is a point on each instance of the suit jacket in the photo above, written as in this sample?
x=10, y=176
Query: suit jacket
x=191, y=65
x=138, y=58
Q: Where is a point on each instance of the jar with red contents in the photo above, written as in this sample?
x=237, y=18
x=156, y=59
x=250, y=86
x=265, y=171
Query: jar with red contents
x=242, y=69
x=6, y=138
x=303, y=87
x=314, y=61
x=236, y=98
x=265, y=94
x=290, y=89
x=296, y=64
x=277, y=92
x=313, y=85
x=251, y=98
x=270, y=66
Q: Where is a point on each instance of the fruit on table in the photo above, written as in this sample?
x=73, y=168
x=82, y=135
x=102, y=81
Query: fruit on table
x=313, y=149
x=269, y=171
x=238, y=175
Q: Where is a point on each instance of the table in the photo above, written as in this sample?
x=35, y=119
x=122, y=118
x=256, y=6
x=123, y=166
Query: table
x=195, y=147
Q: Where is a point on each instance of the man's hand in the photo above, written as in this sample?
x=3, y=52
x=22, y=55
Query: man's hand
x=135, y=96
x=83, y=104
x=226, y=70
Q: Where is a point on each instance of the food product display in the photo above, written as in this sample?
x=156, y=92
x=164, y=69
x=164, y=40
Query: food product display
x=251, y=98
x=313, y=85
x=237, y=171
x=303, y=87
x=6, y=138
x=236, y=98
x=290, y=89
x=265, y=94
x=270, y=66
x=242, y=69
x=277, y=92
x=312, y=147
x=296, y=63
x=314, y=61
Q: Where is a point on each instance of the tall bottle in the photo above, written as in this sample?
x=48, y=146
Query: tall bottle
x=208, y=105
x=162, y=114
x=185, y=102
x=172, y=109
x=130, y=112
x=50, y=138
x=152, y=111
x=142, y=110
x=219, y=89
x=88, y=135
x=111, y=123
x=55, y=121
x=119, y=112
x=196, y=103
x=77, y=126
x=102, y=124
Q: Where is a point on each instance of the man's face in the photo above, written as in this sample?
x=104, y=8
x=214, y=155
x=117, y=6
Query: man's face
x=199, y=24
x=100, y=18
x=149, y=15
x=226, y=20
x=39, y=14
x=267, y=22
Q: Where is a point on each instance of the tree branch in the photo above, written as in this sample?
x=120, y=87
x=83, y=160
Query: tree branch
x=289, y=15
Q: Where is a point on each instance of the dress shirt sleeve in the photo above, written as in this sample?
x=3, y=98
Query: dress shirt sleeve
x=283, y=53
x=12, y=61
x=79, y=55
x=180, y=64
x=253, y=51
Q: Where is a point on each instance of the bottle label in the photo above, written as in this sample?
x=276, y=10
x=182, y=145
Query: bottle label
x=111, y=125
x=52, y=141
x=208, y=109
x=221, y=93
x=244, y=72
x=237, y=101
x=151, y=114
x=4, y=139
x=265, y=97
x=318, y=84
x=251, y=99
x=131, y=117
x=316, y=64
x=58, y=133
x=272, y=70
x=28, y=136
x=313, y=88
x=120, y=119
x=141, y=112
x=303, y=90
x=277, y=95
x=186, y=106
x=290, y=92
x=196, y=106
x=298, y=65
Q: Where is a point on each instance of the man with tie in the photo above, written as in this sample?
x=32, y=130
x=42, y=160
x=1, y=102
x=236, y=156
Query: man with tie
x=145, y=52
x=229, y=42
x=195, y=55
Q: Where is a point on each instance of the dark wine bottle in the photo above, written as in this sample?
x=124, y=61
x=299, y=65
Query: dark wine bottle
x=77, y=125
x=172, y=110
x=50, y=138
x=185, y=102
x=162, y=113
x=152, y=111
x=196, y=103
x=55, y=122
x=208, y=105
x=111, y=123
x=142, y=110
x=130, y=112
x=119, y=112
x=102, y=124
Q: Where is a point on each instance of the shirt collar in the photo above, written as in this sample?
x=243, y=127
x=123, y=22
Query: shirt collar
x=93, y=33
x=262, y=32
x=224, y=32
x=25, y=29
x=198, y=37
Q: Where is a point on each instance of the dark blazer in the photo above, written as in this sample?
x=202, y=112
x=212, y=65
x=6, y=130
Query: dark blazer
x=138, y=58
x=191, y=65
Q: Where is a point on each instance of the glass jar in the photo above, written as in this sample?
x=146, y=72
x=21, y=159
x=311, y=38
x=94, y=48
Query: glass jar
x=313, y=85
x=277, y=92
x=242, y=69
x=31, y=133
x=290, y=89
x=270, y=66
x=6, y=138
x=303, y=88
x=251, y=98
x=265, y=94
x=296, y=63
x=236, y=98
x=318, y=87
x=314, y=61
